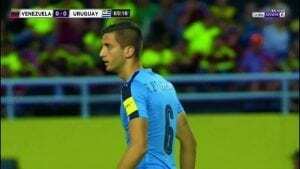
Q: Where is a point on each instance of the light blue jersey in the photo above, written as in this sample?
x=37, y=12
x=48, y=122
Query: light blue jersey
x=148, y=95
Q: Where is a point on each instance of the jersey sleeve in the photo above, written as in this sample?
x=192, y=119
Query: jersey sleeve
x=135, y=100
x=178, y=106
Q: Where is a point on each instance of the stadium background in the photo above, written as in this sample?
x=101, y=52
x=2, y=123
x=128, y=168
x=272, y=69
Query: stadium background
x=194, y=37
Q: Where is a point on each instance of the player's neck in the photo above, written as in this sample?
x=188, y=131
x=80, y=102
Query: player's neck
x=128, y=70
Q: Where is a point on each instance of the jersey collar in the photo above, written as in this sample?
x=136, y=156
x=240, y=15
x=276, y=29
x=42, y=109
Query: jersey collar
x=133, y=76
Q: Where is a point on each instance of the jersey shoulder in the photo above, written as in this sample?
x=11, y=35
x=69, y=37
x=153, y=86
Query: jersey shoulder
x=152, y=82
x=148, y=78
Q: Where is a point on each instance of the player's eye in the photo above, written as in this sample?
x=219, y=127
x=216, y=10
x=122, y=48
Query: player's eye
x=108, y=46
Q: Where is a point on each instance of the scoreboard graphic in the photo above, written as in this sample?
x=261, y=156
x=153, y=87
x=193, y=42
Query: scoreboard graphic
x=69, y=13
x=273, y=13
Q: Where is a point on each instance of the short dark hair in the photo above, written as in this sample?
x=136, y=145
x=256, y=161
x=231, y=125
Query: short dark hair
x=127, y=34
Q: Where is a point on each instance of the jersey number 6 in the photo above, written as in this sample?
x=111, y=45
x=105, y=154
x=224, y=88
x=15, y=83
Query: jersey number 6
x=169, y=132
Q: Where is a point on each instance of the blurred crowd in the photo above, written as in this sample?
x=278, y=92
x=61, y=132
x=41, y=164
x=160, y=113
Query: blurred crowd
x=179, y=37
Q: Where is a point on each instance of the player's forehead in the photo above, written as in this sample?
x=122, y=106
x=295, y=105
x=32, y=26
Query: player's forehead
x=109, y=38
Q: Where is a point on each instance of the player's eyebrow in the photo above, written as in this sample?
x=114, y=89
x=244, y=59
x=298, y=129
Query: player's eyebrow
x=106, y=44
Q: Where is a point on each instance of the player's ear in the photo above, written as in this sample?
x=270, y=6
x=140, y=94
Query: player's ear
x=128, y=51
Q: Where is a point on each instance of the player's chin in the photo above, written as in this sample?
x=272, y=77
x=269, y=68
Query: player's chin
x=109, y=69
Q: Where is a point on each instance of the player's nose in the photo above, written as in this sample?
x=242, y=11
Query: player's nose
x=102, y=54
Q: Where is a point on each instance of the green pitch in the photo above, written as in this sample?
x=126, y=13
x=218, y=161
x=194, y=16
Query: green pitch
x=224, y=141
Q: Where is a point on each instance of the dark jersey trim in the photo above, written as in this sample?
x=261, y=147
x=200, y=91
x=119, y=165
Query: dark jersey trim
x=134, y=115
x=133, y=76
x=126, y=93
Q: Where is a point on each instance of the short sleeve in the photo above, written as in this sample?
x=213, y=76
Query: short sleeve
x=135, y=100
x=178, y=106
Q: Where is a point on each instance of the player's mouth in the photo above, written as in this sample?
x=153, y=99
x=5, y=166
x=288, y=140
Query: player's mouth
x=105, y=63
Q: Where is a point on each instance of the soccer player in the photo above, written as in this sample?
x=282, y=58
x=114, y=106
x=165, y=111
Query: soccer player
x=150, y=110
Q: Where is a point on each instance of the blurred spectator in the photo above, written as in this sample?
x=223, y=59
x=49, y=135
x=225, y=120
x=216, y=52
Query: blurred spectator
x=222, y=10
x=91, y=38
x=177, y=16
x=66, y=60
x=232, y=38
x=70, y=31
x=191, y=11
x=158, y=34
x=276, y=33
x=42, y=26
x=38, y=29
x=184, y=63
x=224, y=55
x=294, y=27
x=277, y=38
x=291, y=63
x=157, y=53
x=10, y=60
x=256, y=59
x=166, y=13
x=201, y=36
x=158, y=59
x=146, y=13
x=222, y=59
x=53, y=62
x=30, y=52
x=250, y=25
